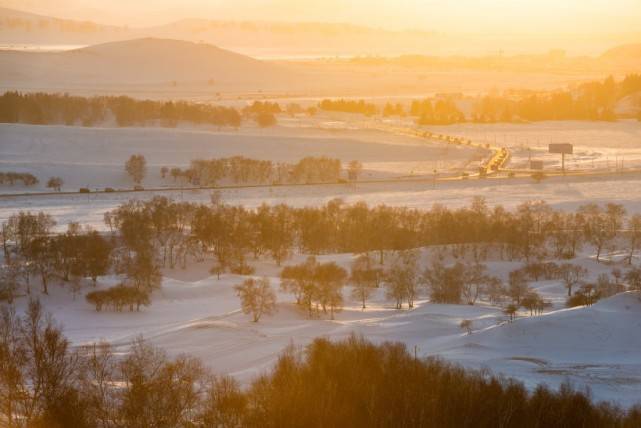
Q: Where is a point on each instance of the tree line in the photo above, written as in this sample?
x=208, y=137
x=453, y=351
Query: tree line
x=147, y=235
x=31, y=250
x=588, y=101
x=439, y=111
x=45, y=382
x=349, y=106
x=10, y=178
x=594, y=101
x=47, y=109
x=240, y=169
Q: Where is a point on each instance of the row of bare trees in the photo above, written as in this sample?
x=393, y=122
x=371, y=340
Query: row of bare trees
x=243, y=170
x=147, y=235
x=31, y=249
x=11, y=177
x=46, y=109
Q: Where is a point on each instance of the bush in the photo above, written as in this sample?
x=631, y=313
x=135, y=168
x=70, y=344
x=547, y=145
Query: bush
x=11, y=178
x=118, y=297
x=265, y=119
x=243, y=269
x=587, y=295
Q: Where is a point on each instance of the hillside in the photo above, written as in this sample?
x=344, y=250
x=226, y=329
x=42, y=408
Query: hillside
x=280, y=39
x=148, y=61
x=28, y=28
x=584, y=345
x=631, y=52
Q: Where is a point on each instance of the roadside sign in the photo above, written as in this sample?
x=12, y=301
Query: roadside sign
x=561, y=148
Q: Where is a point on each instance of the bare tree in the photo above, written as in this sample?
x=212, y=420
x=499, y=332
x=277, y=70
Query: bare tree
x=217, y=269
x=41, y=253
x=403, y=278
x=10, y=280
x=55, y=183
x=633, y=278
x=475, y=279
x=37, y=371
x=634, y=224
x=354, y=169
x=136, y=167
x=533, y=302
x=466, y=325
x=517, y=286
x=572, y=275
x=256, y=297
x=329, y=279
x=510, y=310
x=363, y=279
x=599, y=226
x=158, y=392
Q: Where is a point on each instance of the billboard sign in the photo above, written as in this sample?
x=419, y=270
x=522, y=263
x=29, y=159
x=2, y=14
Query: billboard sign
x=561, y=148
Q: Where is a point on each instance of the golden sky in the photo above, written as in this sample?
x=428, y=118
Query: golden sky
x=468, y=16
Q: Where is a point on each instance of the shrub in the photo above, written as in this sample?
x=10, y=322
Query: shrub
x=118, y=297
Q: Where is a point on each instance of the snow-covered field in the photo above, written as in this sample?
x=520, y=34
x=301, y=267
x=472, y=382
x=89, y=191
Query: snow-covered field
x=596, y=144
x=95, y=157
x=597, y=347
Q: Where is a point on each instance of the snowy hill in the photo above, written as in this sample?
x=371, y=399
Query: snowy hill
x=631, y=52
x=146, y=61
x=599, y=346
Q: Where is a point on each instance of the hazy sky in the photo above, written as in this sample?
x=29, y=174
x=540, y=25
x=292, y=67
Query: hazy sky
x=470, y=16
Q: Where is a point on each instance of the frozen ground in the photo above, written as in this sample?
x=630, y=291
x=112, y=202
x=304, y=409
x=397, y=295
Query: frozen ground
x=95, y=157
x=599, y=347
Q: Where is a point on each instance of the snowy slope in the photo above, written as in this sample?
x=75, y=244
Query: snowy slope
x=194, y=313
x=597, y=347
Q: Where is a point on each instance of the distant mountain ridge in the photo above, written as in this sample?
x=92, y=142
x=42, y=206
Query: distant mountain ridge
x=144, y=61
x=624, y=52
x=24, y=27
x=266, y=39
